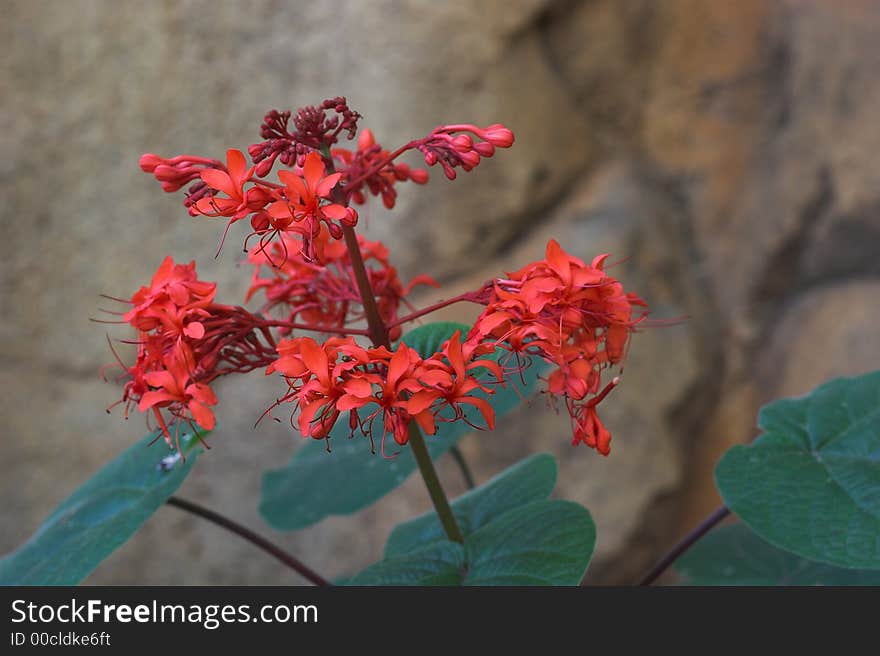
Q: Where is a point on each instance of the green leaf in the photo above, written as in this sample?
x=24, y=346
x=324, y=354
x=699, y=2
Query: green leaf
x=734, y=555
x=532, y=479
x=100, y=516
x=440, y=563
x=811, y=483
x=541, y=543
x=512, y=534
x=316, y=484
x=428, y=339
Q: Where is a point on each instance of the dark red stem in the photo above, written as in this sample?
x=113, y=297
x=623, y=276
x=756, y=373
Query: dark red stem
x=318, y=329
x=686, y=543
x=377, y=330
x=385, y=162
x=468, y=296
x=466, y=472
x=255, y=539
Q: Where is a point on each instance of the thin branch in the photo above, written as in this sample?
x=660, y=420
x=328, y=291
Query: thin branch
x=255, y=539
x=377, y=330
x=318, y=329
x=466, y=472
x=686, y=543
x=468, y=296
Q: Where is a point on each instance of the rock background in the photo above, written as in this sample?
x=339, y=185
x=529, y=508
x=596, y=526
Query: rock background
x=728, y=149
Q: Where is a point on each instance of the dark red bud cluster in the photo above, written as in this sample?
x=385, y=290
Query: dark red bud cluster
x=313, y=130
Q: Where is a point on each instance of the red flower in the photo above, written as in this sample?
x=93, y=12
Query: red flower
x=172, y=388
x=185, y=341
x=175, y=294
x=302, y=211
x=452, y=383
x=239, y=202
x=395, y=388
x=589, y=430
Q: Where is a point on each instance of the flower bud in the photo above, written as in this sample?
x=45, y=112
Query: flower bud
x=149, y=162
x=497, y=135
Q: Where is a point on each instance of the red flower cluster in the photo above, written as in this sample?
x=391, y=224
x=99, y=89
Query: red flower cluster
x=185, y=341
x=313, y=130
x=169, y=316
x=340, y=375
x=452, y=146
x=306, y=200
x=572, y=315
x=301, y=205
x=325, y=295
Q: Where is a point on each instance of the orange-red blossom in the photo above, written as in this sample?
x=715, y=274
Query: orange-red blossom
x=574, y=316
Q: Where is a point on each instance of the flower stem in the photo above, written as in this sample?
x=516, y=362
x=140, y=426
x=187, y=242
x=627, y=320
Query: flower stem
x=468, y=296
x=378, y=333
x=255, y=539
x=466, y=472
x=432, y=482
x=381, y=165
x=317, y=329
x=377, y=329
x=684, y=544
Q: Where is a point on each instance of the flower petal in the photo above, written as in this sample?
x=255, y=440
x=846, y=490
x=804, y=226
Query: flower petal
x=237, y=165
x=202, y=415
x=219, y=180
x=313, y=170
x=327, y=184
x=194, y=329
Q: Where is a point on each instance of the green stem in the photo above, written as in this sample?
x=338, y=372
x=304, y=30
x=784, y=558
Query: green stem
x=432, y=482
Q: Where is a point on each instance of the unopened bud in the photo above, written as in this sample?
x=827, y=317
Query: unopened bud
x=419, y=176
x=149, y=162
x=462, y=143
x=497, y=135
x=485, y=148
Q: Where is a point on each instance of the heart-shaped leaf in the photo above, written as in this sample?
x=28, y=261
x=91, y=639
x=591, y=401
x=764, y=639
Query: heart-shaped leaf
x=811, y=483
x=512, y=536
x=734, y=555
x=101, y=515
x=541, y=543
x=532, y=479
x=316, y=484
x=439, y=563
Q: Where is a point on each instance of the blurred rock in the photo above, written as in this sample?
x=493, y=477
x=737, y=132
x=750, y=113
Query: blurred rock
x=828, y=332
